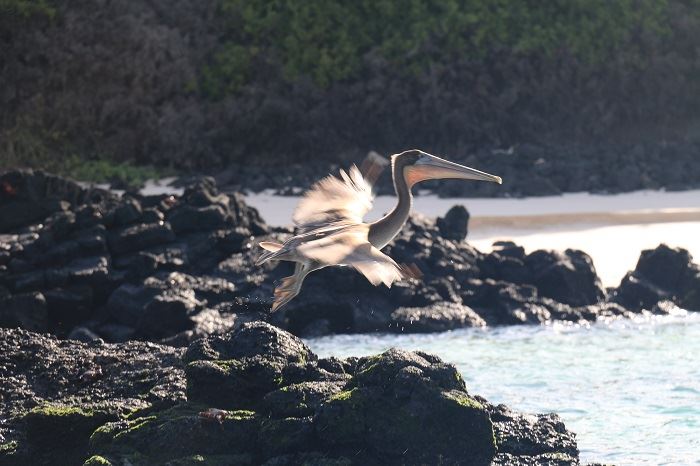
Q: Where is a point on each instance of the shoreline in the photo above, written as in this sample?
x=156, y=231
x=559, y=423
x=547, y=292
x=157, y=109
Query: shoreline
x=177, y=271
x=612, y=229
x=647, y=206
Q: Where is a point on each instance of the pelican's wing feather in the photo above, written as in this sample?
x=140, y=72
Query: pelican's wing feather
x=333, y=200
x=334, y=246
x=376, y=266
x=349, y=246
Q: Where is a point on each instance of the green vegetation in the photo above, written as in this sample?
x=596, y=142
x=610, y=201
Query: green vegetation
x=25, y=9
x=100, y=169
x=463, y=400
x=59, y=411
x=271, y=82
x=96, y=460
x=29, y=145
x=135, y=425
x=105, y=170
x=345, y=395
x=240, y=415
x=328, y=40
x=227, y=364
x=8, y=448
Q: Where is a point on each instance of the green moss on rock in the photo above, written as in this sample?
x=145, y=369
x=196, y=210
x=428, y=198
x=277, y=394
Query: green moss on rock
x=227, y=364
x=8, y=448
x=181, y=434
x=233, y=384
x=63, y=431
x=402, y=405
x=62, y=426
x=464, y=400
x=96, y=460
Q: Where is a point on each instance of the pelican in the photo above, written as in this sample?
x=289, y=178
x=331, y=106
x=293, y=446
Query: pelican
x=330, y=227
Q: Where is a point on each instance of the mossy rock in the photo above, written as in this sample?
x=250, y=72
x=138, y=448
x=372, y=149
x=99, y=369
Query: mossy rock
x=8, y=453
x=299, y=400
x=233, y=384
x=96, y=460
x=62, y=431
x=402, y=407
x=278, y=436
x=178, y=435
x=61, y=425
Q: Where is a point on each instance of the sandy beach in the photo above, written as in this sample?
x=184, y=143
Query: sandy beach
x=612, y=229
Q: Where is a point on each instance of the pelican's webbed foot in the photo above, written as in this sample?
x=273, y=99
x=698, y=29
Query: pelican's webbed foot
x=285, y=292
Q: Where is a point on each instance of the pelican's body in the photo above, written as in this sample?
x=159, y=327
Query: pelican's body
x=331, y=231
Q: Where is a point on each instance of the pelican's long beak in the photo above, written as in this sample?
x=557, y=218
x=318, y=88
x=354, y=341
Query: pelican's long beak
x=430, y=167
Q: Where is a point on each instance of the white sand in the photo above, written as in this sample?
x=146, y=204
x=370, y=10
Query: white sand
x=613, y=229
x=614, y=249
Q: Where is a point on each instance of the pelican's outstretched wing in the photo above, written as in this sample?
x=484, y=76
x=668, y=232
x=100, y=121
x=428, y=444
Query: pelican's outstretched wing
x=349, y=246
x=333, y=200
x=376, y=266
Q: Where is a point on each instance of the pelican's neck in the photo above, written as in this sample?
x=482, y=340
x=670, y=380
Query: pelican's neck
x=385, y=229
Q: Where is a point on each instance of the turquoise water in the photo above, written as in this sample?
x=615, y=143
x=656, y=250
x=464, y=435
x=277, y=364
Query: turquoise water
x=630, y=389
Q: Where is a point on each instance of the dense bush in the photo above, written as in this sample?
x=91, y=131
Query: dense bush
x=326, y=40
x=203, y=84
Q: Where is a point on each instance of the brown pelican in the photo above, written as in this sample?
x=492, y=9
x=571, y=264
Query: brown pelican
x=331, y=231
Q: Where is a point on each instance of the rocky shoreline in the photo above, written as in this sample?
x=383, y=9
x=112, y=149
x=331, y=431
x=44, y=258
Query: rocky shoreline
x=89, y=264
x=161, y=326
x=254, y=396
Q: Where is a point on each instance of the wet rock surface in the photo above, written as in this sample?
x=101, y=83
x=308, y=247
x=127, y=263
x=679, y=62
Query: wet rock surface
x=176, y=268
x=256, y=395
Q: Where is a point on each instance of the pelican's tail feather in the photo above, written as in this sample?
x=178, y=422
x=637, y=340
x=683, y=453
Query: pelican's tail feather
x=270, y=248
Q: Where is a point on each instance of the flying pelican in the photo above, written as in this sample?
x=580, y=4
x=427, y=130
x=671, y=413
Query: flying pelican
x=331, y=232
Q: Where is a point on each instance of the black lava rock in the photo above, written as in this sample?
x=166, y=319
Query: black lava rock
x=257, y=395
x=661, y=273
x=455, y=224
x=568, y=277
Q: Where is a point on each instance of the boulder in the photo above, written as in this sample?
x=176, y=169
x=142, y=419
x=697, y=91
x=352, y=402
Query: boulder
x=160, y=307
x=128, y=212
x=437, y=317
x=28, y=196
x=407, y=407
x=542, y=439
x=26, y=310
x=455, y=224
x=661, y=273
x=188, y=218
x=141, y=236
x=567, y=277
x=503, y=303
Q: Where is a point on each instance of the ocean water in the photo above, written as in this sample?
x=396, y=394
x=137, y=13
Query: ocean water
x=630, y=389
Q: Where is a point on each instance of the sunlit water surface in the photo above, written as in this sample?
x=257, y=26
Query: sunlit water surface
x=630, y=389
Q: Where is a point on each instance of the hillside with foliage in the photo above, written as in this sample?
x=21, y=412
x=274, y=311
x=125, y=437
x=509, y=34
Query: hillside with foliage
x=193, y=85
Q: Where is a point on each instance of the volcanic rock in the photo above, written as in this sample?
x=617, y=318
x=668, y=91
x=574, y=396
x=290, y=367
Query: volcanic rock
x=454, y=225
x=275, y=403
x=661, y=273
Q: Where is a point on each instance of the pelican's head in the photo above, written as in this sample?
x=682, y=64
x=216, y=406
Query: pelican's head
x=418, y=166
